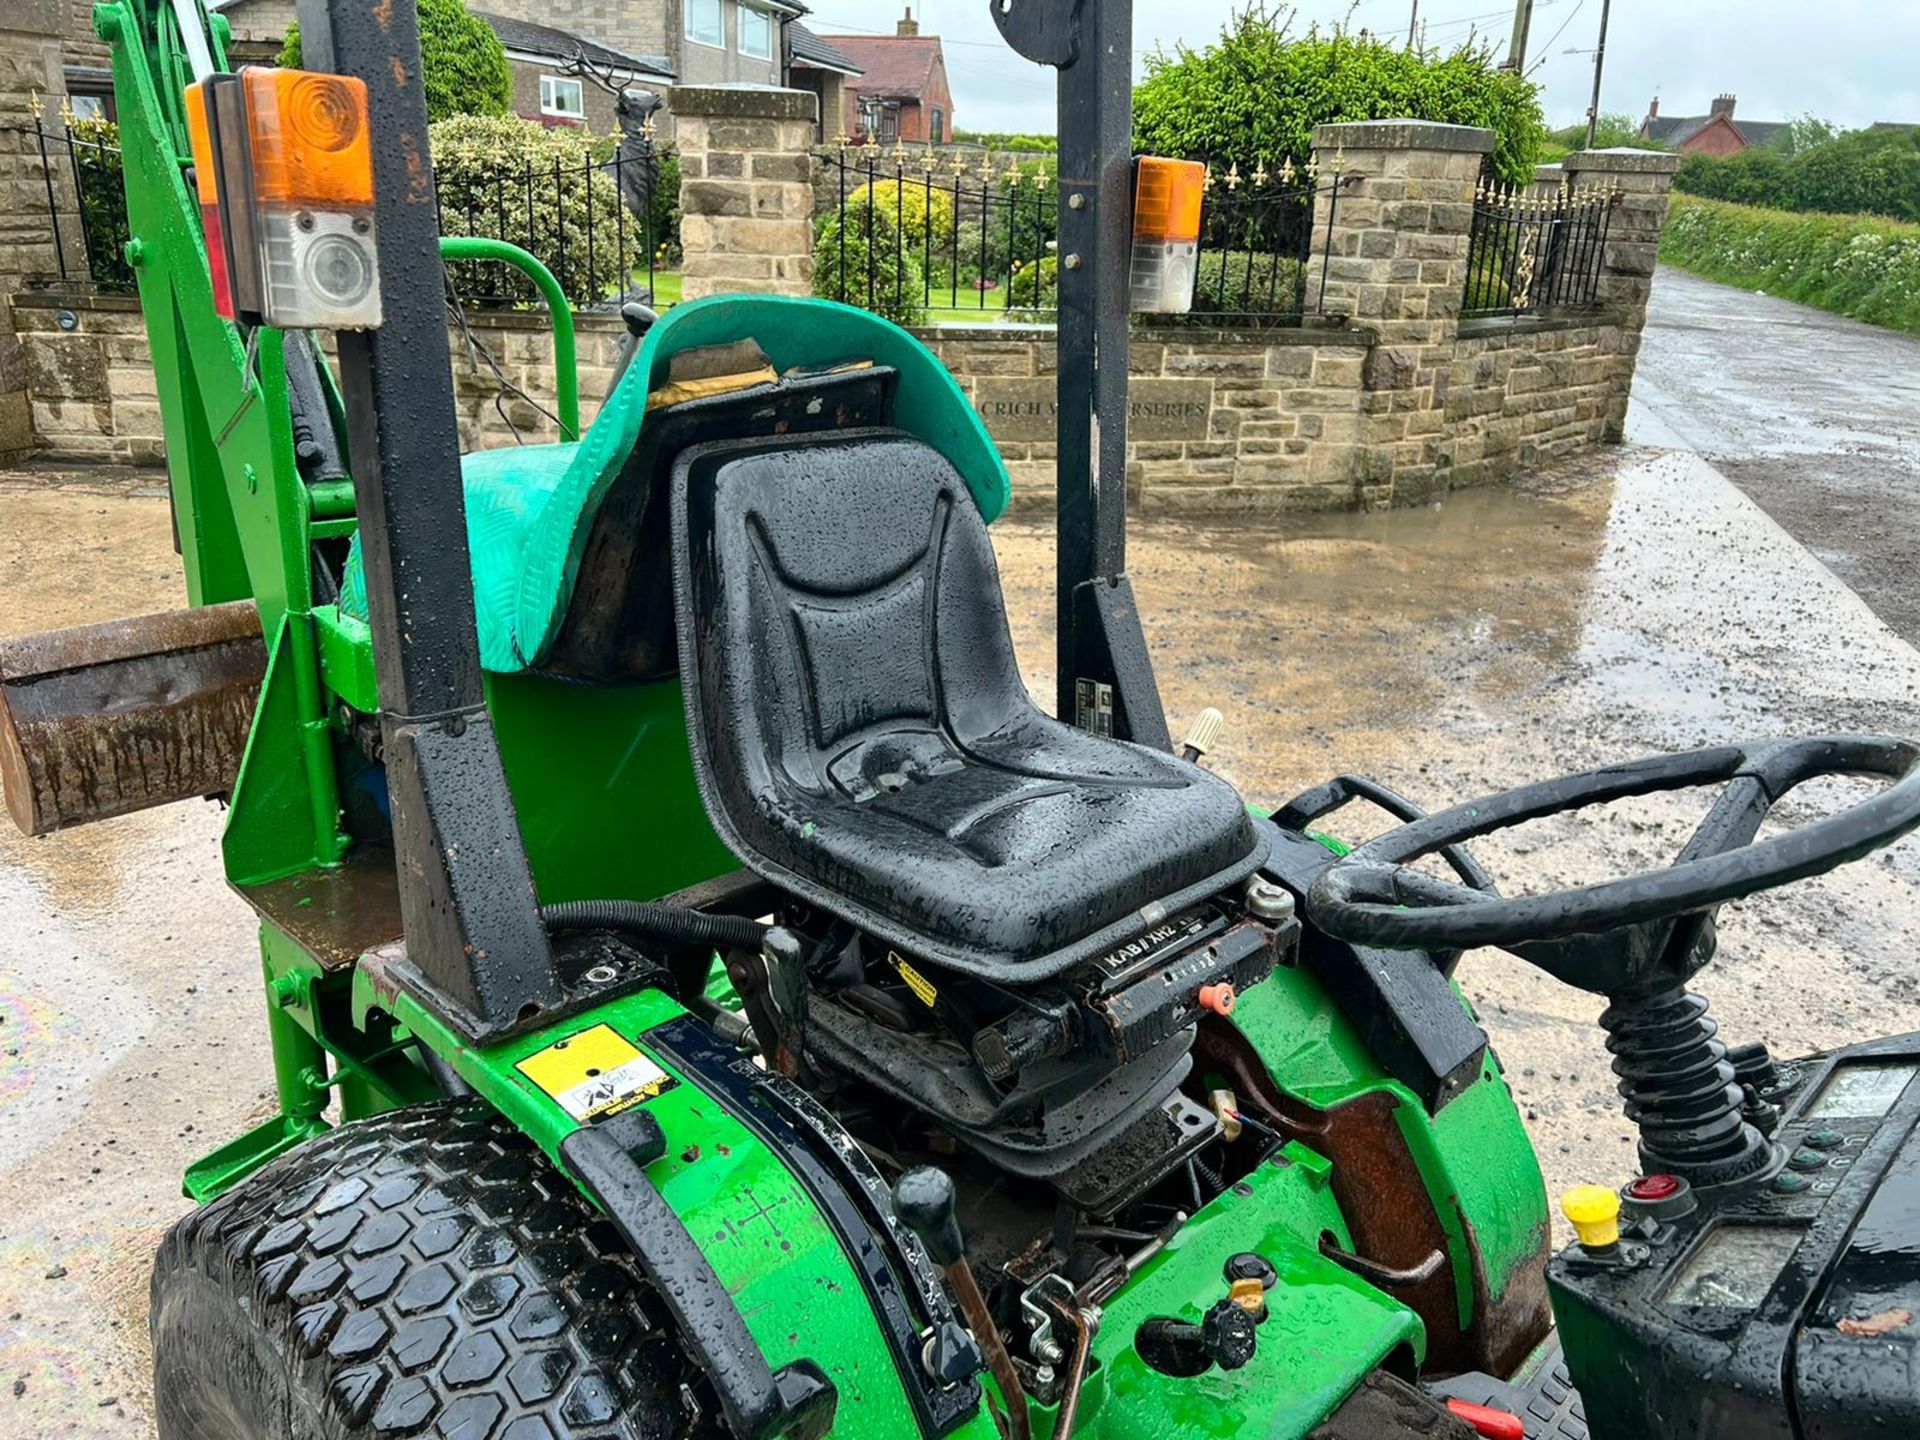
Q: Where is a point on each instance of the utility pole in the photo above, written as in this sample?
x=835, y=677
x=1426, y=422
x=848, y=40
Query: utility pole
x=1413, y=24
x=1599, y=63
x=1522, y=23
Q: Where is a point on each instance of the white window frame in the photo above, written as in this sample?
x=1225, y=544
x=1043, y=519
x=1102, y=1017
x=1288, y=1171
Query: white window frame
x=551, y=86
x=694, y=37
x=740, y=22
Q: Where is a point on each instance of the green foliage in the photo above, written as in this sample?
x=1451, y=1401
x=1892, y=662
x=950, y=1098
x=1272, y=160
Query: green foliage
x=1007, y=140
x=1252, y=282
x=916, y=208
x=860, y=257
x=464, y=65
x=1803, y=134
x=1020, y=226
x=481, y=165
x=103, y=203
x=1617, y=130
x=1854, y=265
x=1872, y=172
x=1257, y=93
x=1036, y=286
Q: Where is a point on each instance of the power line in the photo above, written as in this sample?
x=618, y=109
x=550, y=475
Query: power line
x=1546, y=50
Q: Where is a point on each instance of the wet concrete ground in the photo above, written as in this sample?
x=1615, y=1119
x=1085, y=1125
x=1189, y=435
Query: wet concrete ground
x=1636, y=603
x=1815, y=416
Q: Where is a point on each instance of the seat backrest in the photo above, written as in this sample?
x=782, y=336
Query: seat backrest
x=850, y=610
x=619, y=623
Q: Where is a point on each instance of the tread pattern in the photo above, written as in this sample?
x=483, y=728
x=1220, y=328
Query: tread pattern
x=429, y=1272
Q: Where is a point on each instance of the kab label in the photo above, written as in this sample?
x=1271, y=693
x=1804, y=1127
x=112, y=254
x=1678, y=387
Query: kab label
x=1026, y=410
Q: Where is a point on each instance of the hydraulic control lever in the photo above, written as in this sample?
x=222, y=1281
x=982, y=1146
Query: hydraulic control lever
x=923, y=1200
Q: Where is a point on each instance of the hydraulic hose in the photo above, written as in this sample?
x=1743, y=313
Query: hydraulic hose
x=666, y=924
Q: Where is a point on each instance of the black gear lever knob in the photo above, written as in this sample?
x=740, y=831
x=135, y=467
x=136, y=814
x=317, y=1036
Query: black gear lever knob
x=923, y=1199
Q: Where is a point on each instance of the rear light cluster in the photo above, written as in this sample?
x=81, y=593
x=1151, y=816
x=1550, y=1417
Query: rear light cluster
x=283, y=167
x=1166, y=234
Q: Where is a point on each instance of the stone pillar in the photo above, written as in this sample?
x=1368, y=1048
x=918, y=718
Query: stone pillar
x=746, y=191
x=1642, y=180
x=1395, y=208
x=30, y=77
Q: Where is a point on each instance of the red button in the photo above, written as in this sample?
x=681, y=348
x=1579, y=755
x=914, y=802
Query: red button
x=1653, y=1187
x=1494, y=1424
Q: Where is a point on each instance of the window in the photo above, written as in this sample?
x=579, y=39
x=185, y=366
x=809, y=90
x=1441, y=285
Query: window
x=937, y=131
x=562, y=96
x=756, y=33
x=706, y=23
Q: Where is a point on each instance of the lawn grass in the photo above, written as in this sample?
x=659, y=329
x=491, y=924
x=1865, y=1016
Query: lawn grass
x=1855, y=265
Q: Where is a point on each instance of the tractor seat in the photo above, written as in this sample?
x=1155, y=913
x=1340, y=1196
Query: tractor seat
x=862, y=735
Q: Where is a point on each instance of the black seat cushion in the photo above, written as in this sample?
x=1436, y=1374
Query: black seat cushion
x=862, y=734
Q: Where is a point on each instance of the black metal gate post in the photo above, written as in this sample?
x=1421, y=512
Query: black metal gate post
x=475, y=945
x=1105, y=678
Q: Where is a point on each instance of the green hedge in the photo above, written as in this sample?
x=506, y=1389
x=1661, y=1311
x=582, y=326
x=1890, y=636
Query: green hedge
x=1857, y=265
x=1873, y=172
x=1256, y=94
x=464, y=64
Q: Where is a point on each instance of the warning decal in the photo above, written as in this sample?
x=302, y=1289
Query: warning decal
x=595, y=1073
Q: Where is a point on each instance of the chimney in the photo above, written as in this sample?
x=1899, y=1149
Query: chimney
x=907, y=25
x=1653, y=109
x=1722, y=106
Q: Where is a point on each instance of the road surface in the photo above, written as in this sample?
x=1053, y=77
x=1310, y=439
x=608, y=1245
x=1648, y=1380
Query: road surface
x=1816, y=417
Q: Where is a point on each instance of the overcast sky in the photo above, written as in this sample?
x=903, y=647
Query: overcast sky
x=1849, y=61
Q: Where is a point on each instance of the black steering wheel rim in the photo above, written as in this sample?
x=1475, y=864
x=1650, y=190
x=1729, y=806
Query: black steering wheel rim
x=1371, y=897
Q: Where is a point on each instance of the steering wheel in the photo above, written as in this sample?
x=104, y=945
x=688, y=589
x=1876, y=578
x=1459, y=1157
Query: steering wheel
x=1606, y=936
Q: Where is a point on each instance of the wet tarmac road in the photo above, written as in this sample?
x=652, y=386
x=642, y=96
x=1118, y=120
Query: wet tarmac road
x=1815, y=416
x=1634, y=603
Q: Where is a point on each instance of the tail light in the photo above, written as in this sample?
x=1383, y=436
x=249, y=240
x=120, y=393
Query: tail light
x=206, y=181
x=1166, y=234
x=292, y=159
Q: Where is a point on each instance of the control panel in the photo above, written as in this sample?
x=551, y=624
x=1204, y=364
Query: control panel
x=1786, y=1304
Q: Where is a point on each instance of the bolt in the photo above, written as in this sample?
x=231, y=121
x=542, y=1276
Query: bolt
x=1076, y=201
x=136, y=252
x=1072, y=262
x=601, y=975
x=1267, y=900
x=285, y=991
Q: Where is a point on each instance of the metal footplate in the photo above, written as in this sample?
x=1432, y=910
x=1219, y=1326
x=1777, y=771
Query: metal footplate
x=1541, y=1393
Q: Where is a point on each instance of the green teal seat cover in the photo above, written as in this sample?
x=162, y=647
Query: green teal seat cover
x=530, y=508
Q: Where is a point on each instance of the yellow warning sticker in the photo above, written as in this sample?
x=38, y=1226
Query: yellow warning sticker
x=595, y=1073
x=916, y=982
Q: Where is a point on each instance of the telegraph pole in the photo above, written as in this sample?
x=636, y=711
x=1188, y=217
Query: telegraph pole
x=1599, y=63
x=1522, y=23
x=1413, y=23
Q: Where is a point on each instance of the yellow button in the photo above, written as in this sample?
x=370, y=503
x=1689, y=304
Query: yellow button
x=1595, y=1213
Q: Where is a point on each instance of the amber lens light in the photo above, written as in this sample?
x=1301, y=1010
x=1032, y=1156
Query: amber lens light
x=1166, y=199
x=309, y=138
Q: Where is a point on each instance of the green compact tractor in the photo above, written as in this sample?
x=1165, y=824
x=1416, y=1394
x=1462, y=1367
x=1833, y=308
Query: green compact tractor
x=708, y=997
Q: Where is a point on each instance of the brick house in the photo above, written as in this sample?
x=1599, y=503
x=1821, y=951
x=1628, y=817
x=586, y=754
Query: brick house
x=1715, y=133
x=902, y=93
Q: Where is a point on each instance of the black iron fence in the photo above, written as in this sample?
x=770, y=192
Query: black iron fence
x=961, y=236
x=78, y=180
x=1530, y=253
x=595, y=223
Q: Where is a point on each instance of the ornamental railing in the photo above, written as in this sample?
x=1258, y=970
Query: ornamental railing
x=1531, y=253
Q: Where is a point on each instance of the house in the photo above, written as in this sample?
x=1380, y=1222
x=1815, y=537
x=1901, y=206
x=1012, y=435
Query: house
x=1715, y=133
x=651, y=43
x=813, y=64
x=548, y=85
x=901, y=93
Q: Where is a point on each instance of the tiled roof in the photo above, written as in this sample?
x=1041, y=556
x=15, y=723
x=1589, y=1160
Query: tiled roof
x=1676, y=130
x=532, y=39
x=810, y=49
x=892, y=66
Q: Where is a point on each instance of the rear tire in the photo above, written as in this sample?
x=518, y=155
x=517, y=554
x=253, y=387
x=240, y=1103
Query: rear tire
x=424, y=1272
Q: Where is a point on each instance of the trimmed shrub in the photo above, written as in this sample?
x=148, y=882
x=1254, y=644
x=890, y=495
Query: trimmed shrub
x=1230, y=281
x=1873, y=172
x=915, y=208
x=463, y=64
x=860, y=257
x=1256, y=94
x=539, y=188
x=1856, y=265
x=1036, y=286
